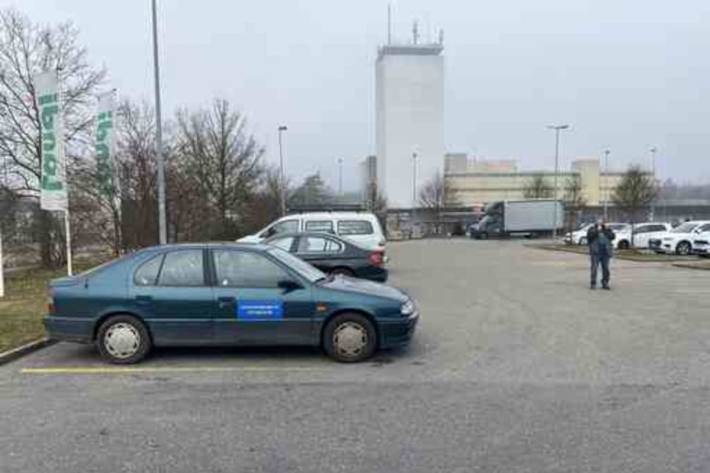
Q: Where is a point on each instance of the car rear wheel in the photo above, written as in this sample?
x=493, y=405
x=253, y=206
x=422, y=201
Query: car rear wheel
x=623, y=245
x=583, y=241
x=343, y=271
x=123, y=339
x=683, y=248
x=349, y=338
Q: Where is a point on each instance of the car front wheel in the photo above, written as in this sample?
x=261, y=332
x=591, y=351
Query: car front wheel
x=349, y=338
x=683, y=248
x=123, y=339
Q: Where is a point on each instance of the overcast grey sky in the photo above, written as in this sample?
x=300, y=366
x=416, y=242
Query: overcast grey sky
x=626, y=75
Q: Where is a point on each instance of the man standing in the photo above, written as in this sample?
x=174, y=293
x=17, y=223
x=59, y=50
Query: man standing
x=599, y=239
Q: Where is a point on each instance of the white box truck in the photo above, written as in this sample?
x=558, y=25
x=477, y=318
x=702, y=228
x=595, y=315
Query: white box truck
x=526, y=217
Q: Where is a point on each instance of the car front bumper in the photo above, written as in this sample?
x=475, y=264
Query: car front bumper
x=398, y=332
x=71, y=329
x=701, y=247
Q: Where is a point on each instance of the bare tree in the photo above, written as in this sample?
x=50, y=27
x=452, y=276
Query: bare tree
x=436, y=194
x=136, y=172
x=574, y=201
x=634, y=194
x=538, y=188
x=374, y=200
x=225, y=160
x=26, y=49
x=265, y=206
x=313, y=193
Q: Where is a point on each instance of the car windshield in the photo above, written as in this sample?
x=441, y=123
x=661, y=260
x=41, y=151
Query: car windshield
x=687, y=227
x=301, y=267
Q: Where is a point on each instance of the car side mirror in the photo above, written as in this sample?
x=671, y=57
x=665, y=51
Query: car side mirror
x=289, y=285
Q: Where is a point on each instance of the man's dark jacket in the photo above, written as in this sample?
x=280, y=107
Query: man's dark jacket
x=593, y=240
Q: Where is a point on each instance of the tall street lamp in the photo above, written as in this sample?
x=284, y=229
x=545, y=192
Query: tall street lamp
x=606, y=184
x=653, y=151
x=159, y=134
x=414, y=180
x=282, y=188
x=340, y=176
x=557, y=129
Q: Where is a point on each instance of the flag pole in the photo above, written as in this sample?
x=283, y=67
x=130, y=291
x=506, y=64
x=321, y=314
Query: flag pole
x=68, y=235
x=2, y=274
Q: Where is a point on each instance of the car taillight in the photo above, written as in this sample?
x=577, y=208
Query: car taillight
x=50, y=302
x=377, y=257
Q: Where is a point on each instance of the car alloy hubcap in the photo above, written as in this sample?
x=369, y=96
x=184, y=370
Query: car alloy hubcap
x=350, y=339
x=122, y=340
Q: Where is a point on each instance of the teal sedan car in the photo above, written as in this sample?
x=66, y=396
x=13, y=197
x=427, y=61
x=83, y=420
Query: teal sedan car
x=223, y=294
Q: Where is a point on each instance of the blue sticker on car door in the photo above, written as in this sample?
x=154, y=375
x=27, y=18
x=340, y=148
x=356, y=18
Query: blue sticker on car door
x=271, y=309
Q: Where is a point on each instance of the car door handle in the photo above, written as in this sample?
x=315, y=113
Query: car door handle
x=144, y=299
x=224, y=302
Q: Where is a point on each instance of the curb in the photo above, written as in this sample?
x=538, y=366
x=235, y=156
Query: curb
x=26, y=349
x=691, y=266
x=637, y=259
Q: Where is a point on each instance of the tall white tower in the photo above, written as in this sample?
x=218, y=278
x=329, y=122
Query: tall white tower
x=409, y=94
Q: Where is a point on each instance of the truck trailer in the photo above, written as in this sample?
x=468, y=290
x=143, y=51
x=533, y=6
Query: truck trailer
x=531, y=218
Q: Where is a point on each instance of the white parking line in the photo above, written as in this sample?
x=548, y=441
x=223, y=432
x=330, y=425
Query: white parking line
x=157, y=369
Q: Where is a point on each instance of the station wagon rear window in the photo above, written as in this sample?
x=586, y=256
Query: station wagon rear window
x=355, y=227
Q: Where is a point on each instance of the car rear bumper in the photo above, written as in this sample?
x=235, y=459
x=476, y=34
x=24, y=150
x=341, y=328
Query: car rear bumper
x=396, y=333
x=71, y=329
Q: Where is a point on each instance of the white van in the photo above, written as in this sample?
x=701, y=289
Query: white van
x=362, y=228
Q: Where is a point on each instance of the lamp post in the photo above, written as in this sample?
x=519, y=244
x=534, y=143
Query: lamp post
x=282, y=188
x=606, y=184
x=557, y=129
x=340, y=176
x=159, y=134
x=414, y=180
x=653, y=151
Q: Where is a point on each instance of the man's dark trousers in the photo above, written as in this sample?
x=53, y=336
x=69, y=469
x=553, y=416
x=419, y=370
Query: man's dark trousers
x=600, y=257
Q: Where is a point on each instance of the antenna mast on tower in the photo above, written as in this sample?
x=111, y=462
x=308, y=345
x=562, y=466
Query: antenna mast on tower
x=389, y=24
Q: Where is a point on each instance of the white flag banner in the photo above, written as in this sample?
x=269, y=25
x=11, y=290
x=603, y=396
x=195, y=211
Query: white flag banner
x=53, y=183
x=104, y=143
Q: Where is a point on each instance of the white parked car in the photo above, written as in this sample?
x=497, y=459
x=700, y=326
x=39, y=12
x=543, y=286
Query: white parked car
x=679, y=240
x=362, y=228
x=622, y=232
x=701, y=244
x=579, y=236
x=645, y=232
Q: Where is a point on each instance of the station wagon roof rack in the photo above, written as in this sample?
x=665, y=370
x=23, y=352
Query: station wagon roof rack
x=329, y=208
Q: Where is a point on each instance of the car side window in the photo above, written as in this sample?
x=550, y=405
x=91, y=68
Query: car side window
x=658, y=228
x=355, y=227
x=704, y=228
x=287, y=226
x=643, y=229
x=182, y=268
x=246, y=269
x=147, y=273
x=318, y=245
x=283, y=243
x=325, y=226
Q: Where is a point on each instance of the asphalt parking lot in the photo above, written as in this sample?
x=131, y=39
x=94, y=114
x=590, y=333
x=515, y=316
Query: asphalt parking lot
x=516, y=366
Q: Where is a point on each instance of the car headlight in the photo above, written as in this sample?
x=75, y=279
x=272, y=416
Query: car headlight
x=407, y=308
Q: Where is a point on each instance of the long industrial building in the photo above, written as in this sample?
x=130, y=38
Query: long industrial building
x=473, y=182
